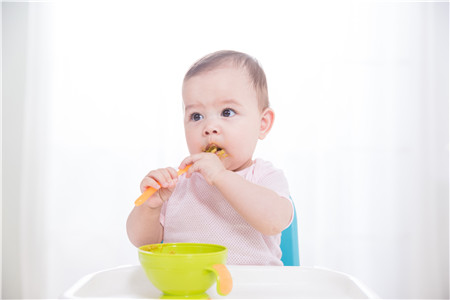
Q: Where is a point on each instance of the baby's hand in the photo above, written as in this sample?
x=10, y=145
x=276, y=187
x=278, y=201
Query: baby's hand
x=164, y=178
x=207, y=164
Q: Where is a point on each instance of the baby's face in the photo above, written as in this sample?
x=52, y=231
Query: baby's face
x=221, y=107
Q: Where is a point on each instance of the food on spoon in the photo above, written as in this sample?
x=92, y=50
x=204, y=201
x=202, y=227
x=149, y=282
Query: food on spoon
x=217, y=150
x=222, y=153
x=211, y=149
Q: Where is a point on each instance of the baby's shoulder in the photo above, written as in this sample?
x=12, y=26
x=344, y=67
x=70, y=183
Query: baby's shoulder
x=262, y=168
x=263, y=165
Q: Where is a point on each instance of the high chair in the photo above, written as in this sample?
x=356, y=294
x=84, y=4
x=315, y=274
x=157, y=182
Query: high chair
x=289, y=244
x=248, y=281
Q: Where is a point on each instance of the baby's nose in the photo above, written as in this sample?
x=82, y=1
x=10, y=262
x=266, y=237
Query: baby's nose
x=211, y=129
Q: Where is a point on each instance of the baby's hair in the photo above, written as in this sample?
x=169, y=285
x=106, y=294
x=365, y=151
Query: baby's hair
x=254, y=70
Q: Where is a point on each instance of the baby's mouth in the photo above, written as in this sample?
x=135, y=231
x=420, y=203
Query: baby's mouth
x=213, y=148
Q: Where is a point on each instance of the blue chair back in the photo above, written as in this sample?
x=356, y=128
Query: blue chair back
x=289, y=244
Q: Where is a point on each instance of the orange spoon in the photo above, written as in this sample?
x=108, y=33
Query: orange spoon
x=151, y=190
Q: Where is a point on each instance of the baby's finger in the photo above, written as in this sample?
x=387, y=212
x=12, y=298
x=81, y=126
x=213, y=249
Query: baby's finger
x=191, y=170
x=163, y=177
x=185, y=162
x=173, y=173
x=190, y=160
x=149, y=182
x=173, y=177
x=157, y=176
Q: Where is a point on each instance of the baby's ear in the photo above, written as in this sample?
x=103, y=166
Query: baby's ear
x=267, y=118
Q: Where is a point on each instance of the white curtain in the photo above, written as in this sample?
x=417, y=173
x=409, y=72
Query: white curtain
x=91, y=103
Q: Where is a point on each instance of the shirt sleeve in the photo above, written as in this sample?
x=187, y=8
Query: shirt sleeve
x=267, y=175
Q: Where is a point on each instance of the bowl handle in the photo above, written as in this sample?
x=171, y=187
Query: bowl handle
x=223, y=278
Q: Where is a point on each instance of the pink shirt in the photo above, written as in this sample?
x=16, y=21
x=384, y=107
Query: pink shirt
x=198, y=213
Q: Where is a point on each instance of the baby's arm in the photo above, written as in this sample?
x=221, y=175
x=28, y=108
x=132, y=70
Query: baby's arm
x=143, y=225
x=261, y=207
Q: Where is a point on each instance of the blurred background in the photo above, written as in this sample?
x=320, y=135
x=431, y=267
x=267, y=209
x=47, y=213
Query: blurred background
x=91, y=96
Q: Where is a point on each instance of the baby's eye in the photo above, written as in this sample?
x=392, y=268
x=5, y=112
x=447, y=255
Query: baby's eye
x=196, y=117
x=228, y=112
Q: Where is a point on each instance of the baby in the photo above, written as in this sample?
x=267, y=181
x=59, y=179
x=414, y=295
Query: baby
x=231, y=199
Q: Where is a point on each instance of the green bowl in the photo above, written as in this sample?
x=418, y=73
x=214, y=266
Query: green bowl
x=184, y=269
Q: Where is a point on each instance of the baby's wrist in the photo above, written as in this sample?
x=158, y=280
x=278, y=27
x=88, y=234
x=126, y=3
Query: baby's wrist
x=219, y=176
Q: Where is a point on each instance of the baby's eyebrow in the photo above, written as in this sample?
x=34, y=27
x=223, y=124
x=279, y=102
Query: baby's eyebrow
x=197, y=106
x=229, y=102
x=192, y=107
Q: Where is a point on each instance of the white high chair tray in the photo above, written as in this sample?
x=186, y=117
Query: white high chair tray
x=248, y=282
